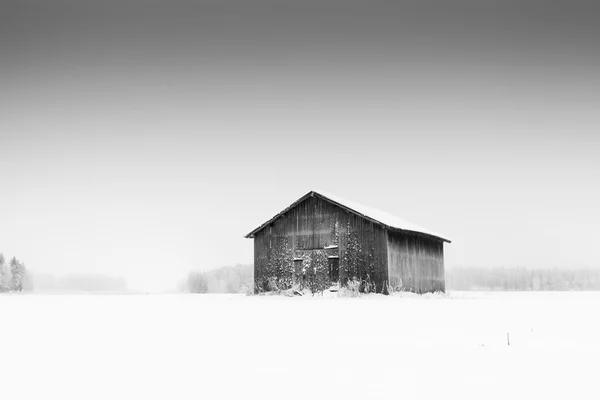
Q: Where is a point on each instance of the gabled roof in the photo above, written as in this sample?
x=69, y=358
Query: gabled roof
x=381, y=218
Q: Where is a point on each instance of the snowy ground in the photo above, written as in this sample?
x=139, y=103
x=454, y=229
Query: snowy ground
x=213, y=346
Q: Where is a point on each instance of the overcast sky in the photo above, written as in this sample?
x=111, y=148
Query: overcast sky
x=145, y=140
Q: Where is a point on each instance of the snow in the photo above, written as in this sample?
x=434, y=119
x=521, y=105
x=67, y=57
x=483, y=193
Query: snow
x=381, y=216
x=272, y=347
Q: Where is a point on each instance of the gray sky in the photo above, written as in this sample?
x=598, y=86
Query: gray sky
x=145, y=140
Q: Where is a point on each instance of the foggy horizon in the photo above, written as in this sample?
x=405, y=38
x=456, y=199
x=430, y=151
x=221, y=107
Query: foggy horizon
x=145, y=140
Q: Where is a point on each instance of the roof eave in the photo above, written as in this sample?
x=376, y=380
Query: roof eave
x=443, y=239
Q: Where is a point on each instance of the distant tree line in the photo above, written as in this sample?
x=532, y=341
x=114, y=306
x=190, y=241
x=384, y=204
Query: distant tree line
x=13, y=275
x=234, y=279
x=79, y=283
x=522, y=279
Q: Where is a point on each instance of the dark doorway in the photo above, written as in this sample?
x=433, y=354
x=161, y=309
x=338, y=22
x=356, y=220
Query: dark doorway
x=334, y=269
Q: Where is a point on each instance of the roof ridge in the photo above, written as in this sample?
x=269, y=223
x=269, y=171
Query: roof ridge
x=384, y=218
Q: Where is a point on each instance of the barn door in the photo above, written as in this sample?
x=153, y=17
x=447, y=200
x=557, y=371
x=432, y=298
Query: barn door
x=317, y=269
x=334, y=269
x=319, y=277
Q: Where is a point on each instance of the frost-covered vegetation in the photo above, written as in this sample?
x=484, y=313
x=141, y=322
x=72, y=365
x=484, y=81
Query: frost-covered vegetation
x=13, y=275
x=239, y=279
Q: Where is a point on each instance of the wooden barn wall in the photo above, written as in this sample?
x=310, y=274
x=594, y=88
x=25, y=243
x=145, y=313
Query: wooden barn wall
x=310, y=227
x=416, y=263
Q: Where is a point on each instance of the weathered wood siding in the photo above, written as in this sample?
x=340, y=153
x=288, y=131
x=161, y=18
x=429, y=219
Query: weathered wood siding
x=305, y=232
x=416, y=262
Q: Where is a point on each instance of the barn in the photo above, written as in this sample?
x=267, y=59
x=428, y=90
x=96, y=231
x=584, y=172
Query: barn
x=321, y=240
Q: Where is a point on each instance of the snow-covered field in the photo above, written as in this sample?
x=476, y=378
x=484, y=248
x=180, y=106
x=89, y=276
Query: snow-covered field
x=219, y=346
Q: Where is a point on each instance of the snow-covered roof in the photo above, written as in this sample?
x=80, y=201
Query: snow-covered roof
x=378, y=216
